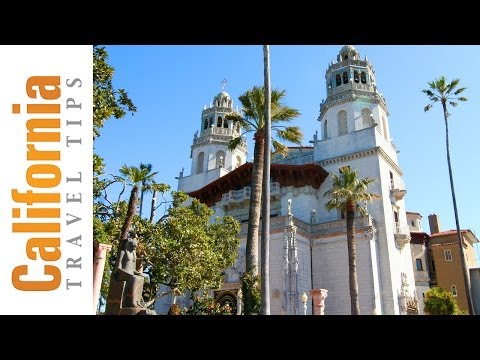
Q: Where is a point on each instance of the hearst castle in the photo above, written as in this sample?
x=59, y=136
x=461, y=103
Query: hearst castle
x=308, y=244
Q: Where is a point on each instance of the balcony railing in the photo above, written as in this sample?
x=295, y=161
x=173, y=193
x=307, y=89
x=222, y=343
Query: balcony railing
x=245, y=193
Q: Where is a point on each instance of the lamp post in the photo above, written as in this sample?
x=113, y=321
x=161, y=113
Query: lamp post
x=304, y=301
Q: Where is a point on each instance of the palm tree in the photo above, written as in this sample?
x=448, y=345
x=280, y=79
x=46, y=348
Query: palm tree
x=253, y=120
x=349, y=194
x=265, y=245
x=441, y=90
x=146, y=182
x=134, y=176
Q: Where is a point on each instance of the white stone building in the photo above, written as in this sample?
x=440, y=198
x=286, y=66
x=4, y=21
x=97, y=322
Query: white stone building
x=354, y=125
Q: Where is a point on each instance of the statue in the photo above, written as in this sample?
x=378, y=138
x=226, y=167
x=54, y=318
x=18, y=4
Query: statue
x=126, y=286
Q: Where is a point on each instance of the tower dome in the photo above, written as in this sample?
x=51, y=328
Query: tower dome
x=223, y=99
x=348, y=52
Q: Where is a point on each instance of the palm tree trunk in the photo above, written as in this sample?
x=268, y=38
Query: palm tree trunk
x=154, y=204
x=251, y=258
x=466, y=274
x=352, y=261
x=142, y=192
x=265, y=246
x=132, y=204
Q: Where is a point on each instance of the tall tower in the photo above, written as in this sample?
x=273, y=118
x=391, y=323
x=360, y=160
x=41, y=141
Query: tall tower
x=354, y=125
x=210, y=156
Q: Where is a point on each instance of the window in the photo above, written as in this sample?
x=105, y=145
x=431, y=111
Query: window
x=433, y=266
x=454, y=290
x=325, y=130
x=419, y=264
x=363, y=77
x=225, y=124
x=205, y=124
x=448, y=255
x=338, y=80
x=384, y=124
x=395, y=216
x=220, y=159
x=211, y=122
x=200, y=159
x=342, y=122
x=355, y=76
x=345, y=77
x=392, y=184
x=219, y=121
x=367, y=118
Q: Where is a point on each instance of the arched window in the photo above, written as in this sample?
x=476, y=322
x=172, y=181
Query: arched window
x=200, y=159
x=238, y=127
x=205, y=124
x=239, y=162
x=210, y=124
x=384, y=124
x=345, y=77
x=355, y=76
x=219, y=121
x=338, y=79
x=367, y=118
x=363, y=77
x=342, y=122
x=225, y=124
x=220, y=159
x=325, y=130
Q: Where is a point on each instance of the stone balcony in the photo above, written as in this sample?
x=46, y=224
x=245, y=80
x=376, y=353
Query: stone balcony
x=421, y=276
x=402, y=235
x=236, y=197
x=397, y=189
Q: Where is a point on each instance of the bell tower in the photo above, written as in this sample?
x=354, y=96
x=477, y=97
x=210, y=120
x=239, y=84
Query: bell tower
x=210, y=155
x=355, y=133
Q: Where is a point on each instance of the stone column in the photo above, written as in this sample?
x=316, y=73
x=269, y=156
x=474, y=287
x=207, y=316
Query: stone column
x=98, y=267
x=318, y=297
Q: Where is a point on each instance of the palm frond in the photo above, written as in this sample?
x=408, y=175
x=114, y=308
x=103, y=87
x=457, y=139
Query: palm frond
x=292, y=134
x=463, y=98
x=279, y=147
x=233, y=144
x=453, y=103
x=459, y=91
x=283, y=113
x=428, y=107
x=450, y=87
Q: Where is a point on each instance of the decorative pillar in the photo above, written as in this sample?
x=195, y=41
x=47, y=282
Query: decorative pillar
x=291, y=296
x=239, y=302
x=98, y=267
x=318, y=297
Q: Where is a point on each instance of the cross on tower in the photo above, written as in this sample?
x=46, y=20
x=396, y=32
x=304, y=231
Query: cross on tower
x=224, y=83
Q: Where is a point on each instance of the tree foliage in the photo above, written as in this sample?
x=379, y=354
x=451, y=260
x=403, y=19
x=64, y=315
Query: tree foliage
x=184, y=249
x=107, y=101
x=206, y=305
x=440, y=302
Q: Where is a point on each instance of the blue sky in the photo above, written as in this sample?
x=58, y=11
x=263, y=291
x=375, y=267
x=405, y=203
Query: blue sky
x=171, y=84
